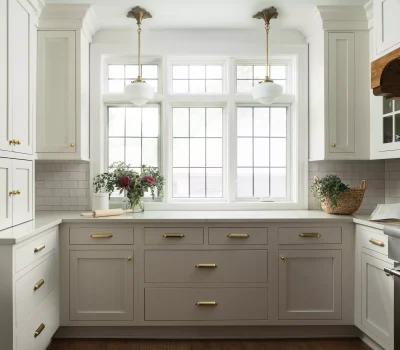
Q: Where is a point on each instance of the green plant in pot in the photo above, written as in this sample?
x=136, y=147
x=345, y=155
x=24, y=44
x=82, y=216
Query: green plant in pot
x=329, y=189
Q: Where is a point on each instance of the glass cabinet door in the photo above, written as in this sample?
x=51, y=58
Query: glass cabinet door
x=391, y=122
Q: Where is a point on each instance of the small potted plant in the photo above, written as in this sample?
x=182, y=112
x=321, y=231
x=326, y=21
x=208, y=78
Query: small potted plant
x=104, y=185
x=335, y=197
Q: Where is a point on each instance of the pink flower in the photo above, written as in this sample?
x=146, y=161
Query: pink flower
x=149, y=179
x=124, y=182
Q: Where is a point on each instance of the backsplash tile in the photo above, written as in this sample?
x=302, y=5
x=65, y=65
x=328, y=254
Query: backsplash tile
x=392, y=182
x=62, y=186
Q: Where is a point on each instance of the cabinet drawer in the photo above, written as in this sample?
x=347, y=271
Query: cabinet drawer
x=185, y=304
x=174, y=235
x=32, y=288
x=215, y=266
x=310, y=235
x=373, y=239
x=32, y=251
x=100, y=235
x=242, y=235
x=46, y=314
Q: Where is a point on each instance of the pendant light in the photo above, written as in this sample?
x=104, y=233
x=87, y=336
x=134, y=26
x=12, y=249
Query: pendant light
x=138, y=92
x=266, y=92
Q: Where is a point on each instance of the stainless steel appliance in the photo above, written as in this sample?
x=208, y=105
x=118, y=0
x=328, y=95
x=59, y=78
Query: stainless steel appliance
x=394, y=254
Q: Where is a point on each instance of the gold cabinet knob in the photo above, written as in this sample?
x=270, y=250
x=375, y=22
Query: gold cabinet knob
x=283, y=258
x=17, y=142
x=11, y=142
x=71, y=145
x=129, y=258
x=333, y=145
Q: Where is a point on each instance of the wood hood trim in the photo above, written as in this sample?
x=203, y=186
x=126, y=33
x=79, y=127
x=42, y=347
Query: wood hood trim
x=385, y=75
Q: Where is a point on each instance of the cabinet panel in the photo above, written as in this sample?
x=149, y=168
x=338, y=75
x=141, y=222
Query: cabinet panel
x=101, y=285
x=377, y=295
x=23, y=183
x=5, y=189
x=341, y=92
x=321, y=296
x=56, y=107
x=386, y=13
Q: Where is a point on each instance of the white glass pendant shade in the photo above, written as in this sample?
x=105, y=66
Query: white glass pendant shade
x=266, y=92
x=139, y=93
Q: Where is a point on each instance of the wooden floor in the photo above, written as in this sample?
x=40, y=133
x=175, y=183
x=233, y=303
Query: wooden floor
x=292, y=344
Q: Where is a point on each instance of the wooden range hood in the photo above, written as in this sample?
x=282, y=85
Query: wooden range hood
x=385, y=75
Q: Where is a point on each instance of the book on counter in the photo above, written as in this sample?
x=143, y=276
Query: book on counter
x=386, y=212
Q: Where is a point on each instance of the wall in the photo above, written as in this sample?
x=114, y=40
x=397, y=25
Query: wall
x=62, y=185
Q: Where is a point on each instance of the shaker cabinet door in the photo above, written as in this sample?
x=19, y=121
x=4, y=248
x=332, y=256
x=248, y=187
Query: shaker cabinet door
x=23, y=186
x=386, y=25
x=5, y=196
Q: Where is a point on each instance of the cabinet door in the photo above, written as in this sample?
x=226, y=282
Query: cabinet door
x=5, y=124
x=56, y=92
x=101, y=285
x=386, y=25
x=5, y=189
x=310, y=284
x=377, y=299
x=19, y=76
x=341, y=92
x=23, y=184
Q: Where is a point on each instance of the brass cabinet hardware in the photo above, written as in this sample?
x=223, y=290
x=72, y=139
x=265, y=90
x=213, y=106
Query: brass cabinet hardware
x=11, y=142
x=376, y=242
x=388, y=274
x=209, y=266
x=283, y=258
x=39, y=330
x=129, y=258
x=101, y=235
x=310, y=234
x=13, y=193
x=333, y=144
x=38, y=284
x=206, y=303
x=17, y=192
x=17, y=142
x=238, y=235
x=39, y=248
x=71, y=145
x=173, y=235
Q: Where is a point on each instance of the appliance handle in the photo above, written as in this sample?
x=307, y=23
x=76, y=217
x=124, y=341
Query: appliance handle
x=393, y=272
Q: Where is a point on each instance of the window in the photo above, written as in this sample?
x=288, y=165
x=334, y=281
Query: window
x=197, y=152
x=120, y=75
x=197, y=78
x=248, y=76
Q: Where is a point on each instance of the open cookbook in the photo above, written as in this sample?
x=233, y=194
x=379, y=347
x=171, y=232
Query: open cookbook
x=386, y=212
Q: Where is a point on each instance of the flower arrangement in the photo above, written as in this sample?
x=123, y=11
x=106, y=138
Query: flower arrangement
x=121, y=177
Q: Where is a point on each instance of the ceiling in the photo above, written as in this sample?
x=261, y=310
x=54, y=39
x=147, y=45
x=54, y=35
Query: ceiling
x=204, y=14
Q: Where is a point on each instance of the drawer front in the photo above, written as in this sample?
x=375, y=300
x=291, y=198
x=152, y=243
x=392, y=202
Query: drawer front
x=310, y=235
x=32, y=251
x=174, y=235
x=206, y=304
x=33, y=336
x=242, y=235
x=373, y=239
x=32, y=288
x=100, y=235
x=215, y=266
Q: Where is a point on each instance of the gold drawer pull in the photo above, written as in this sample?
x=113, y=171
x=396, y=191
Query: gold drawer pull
x=39, y=330
x=206, y=303
x=173, y=235
x=207, y=266
x=17, y=142
x=39, y=248
x=238, y=235
x=310, y=235
x=38, y=284
x=376, y=242
x=101, y=235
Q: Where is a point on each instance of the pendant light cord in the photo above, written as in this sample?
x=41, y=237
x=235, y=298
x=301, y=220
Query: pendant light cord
x=139, y=31
x=267, y=26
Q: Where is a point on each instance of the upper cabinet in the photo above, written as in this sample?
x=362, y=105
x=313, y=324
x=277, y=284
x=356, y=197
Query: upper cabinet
x=18, y=40
x=339, y=84
x=63, y=83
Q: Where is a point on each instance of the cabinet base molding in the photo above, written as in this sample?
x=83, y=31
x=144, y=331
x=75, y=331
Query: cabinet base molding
x=371, y=343
x=216, y=332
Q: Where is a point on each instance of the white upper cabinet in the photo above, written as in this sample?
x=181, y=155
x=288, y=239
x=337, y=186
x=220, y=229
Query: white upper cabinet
x=5, y=190
x=386, y=26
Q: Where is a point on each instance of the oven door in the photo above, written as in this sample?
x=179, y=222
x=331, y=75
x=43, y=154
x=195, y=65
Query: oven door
x=395, y=272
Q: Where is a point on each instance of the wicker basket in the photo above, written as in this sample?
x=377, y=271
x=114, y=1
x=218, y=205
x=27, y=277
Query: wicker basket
x=348, y=202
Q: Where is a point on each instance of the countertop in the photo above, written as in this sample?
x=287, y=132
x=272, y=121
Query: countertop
x=45, y=220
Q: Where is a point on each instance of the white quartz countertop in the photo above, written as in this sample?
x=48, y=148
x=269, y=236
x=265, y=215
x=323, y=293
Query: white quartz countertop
x=45, y=220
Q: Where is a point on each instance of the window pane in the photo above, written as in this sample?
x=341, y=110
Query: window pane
x=214, y=122
x=131, y=71
x=244, y=72
x=150, y=152
x=278, y=72
x=261, y=182
x=214, y=86
x=245, y=122
x=116, y=85
x=181, y=122
x=134, y=122
x=133, y=152
x=115, y=150
x=180, y=183
x=180, y=72
x=214, y=152
x=397, y=105
x=197, y=182
x=149, y=71
x=214, y=72
x=181, y=152
x=245, y=152
x=197, y=86
x=116, y=121
x=180, y=86
x=116, y=71
x=197, y=72
x=244, y=86
x=259, y=73
x=197, y=122
x=278, y=152
x=278, y=182
x=150, y=122
x=261, y=121
x=261, y=152
x=153, y=83
x=198, y=152
x=278, y=122
x=214, y=183
x=245, y=182
x=249, y=76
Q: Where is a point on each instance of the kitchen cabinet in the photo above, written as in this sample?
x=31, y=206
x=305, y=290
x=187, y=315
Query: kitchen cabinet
x=16, y=192
x=101, y=285
x=310, y=284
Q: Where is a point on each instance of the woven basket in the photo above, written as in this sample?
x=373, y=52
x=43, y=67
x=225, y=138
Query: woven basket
x=348, y=202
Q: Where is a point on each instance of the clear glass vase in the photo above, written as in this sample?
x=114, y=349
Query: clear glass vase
x=137, y=205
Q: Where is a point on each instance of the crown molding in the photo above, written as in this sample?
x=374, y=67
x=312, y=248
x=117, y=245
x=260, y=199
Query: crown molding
x=369, y=11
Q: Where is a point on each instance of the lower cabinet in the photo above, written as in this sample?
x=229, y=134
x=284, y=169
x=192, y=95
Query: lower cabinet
x=101, y=285
x=310, y=284
x=377, y=299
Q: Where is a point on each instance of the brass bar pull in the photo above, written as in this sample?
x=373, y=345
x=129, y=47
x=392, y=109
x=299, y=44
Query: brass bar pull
x=101, y=235
x=207, y=266
x=376, y=242
x=238, y=235
x=38, y=284
x=310, y=235
x=11, y=142
x=17, y=142
x=17, y=192
x=206, y=303
x=173, y=235
x=39, y=330
x=39, y=248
